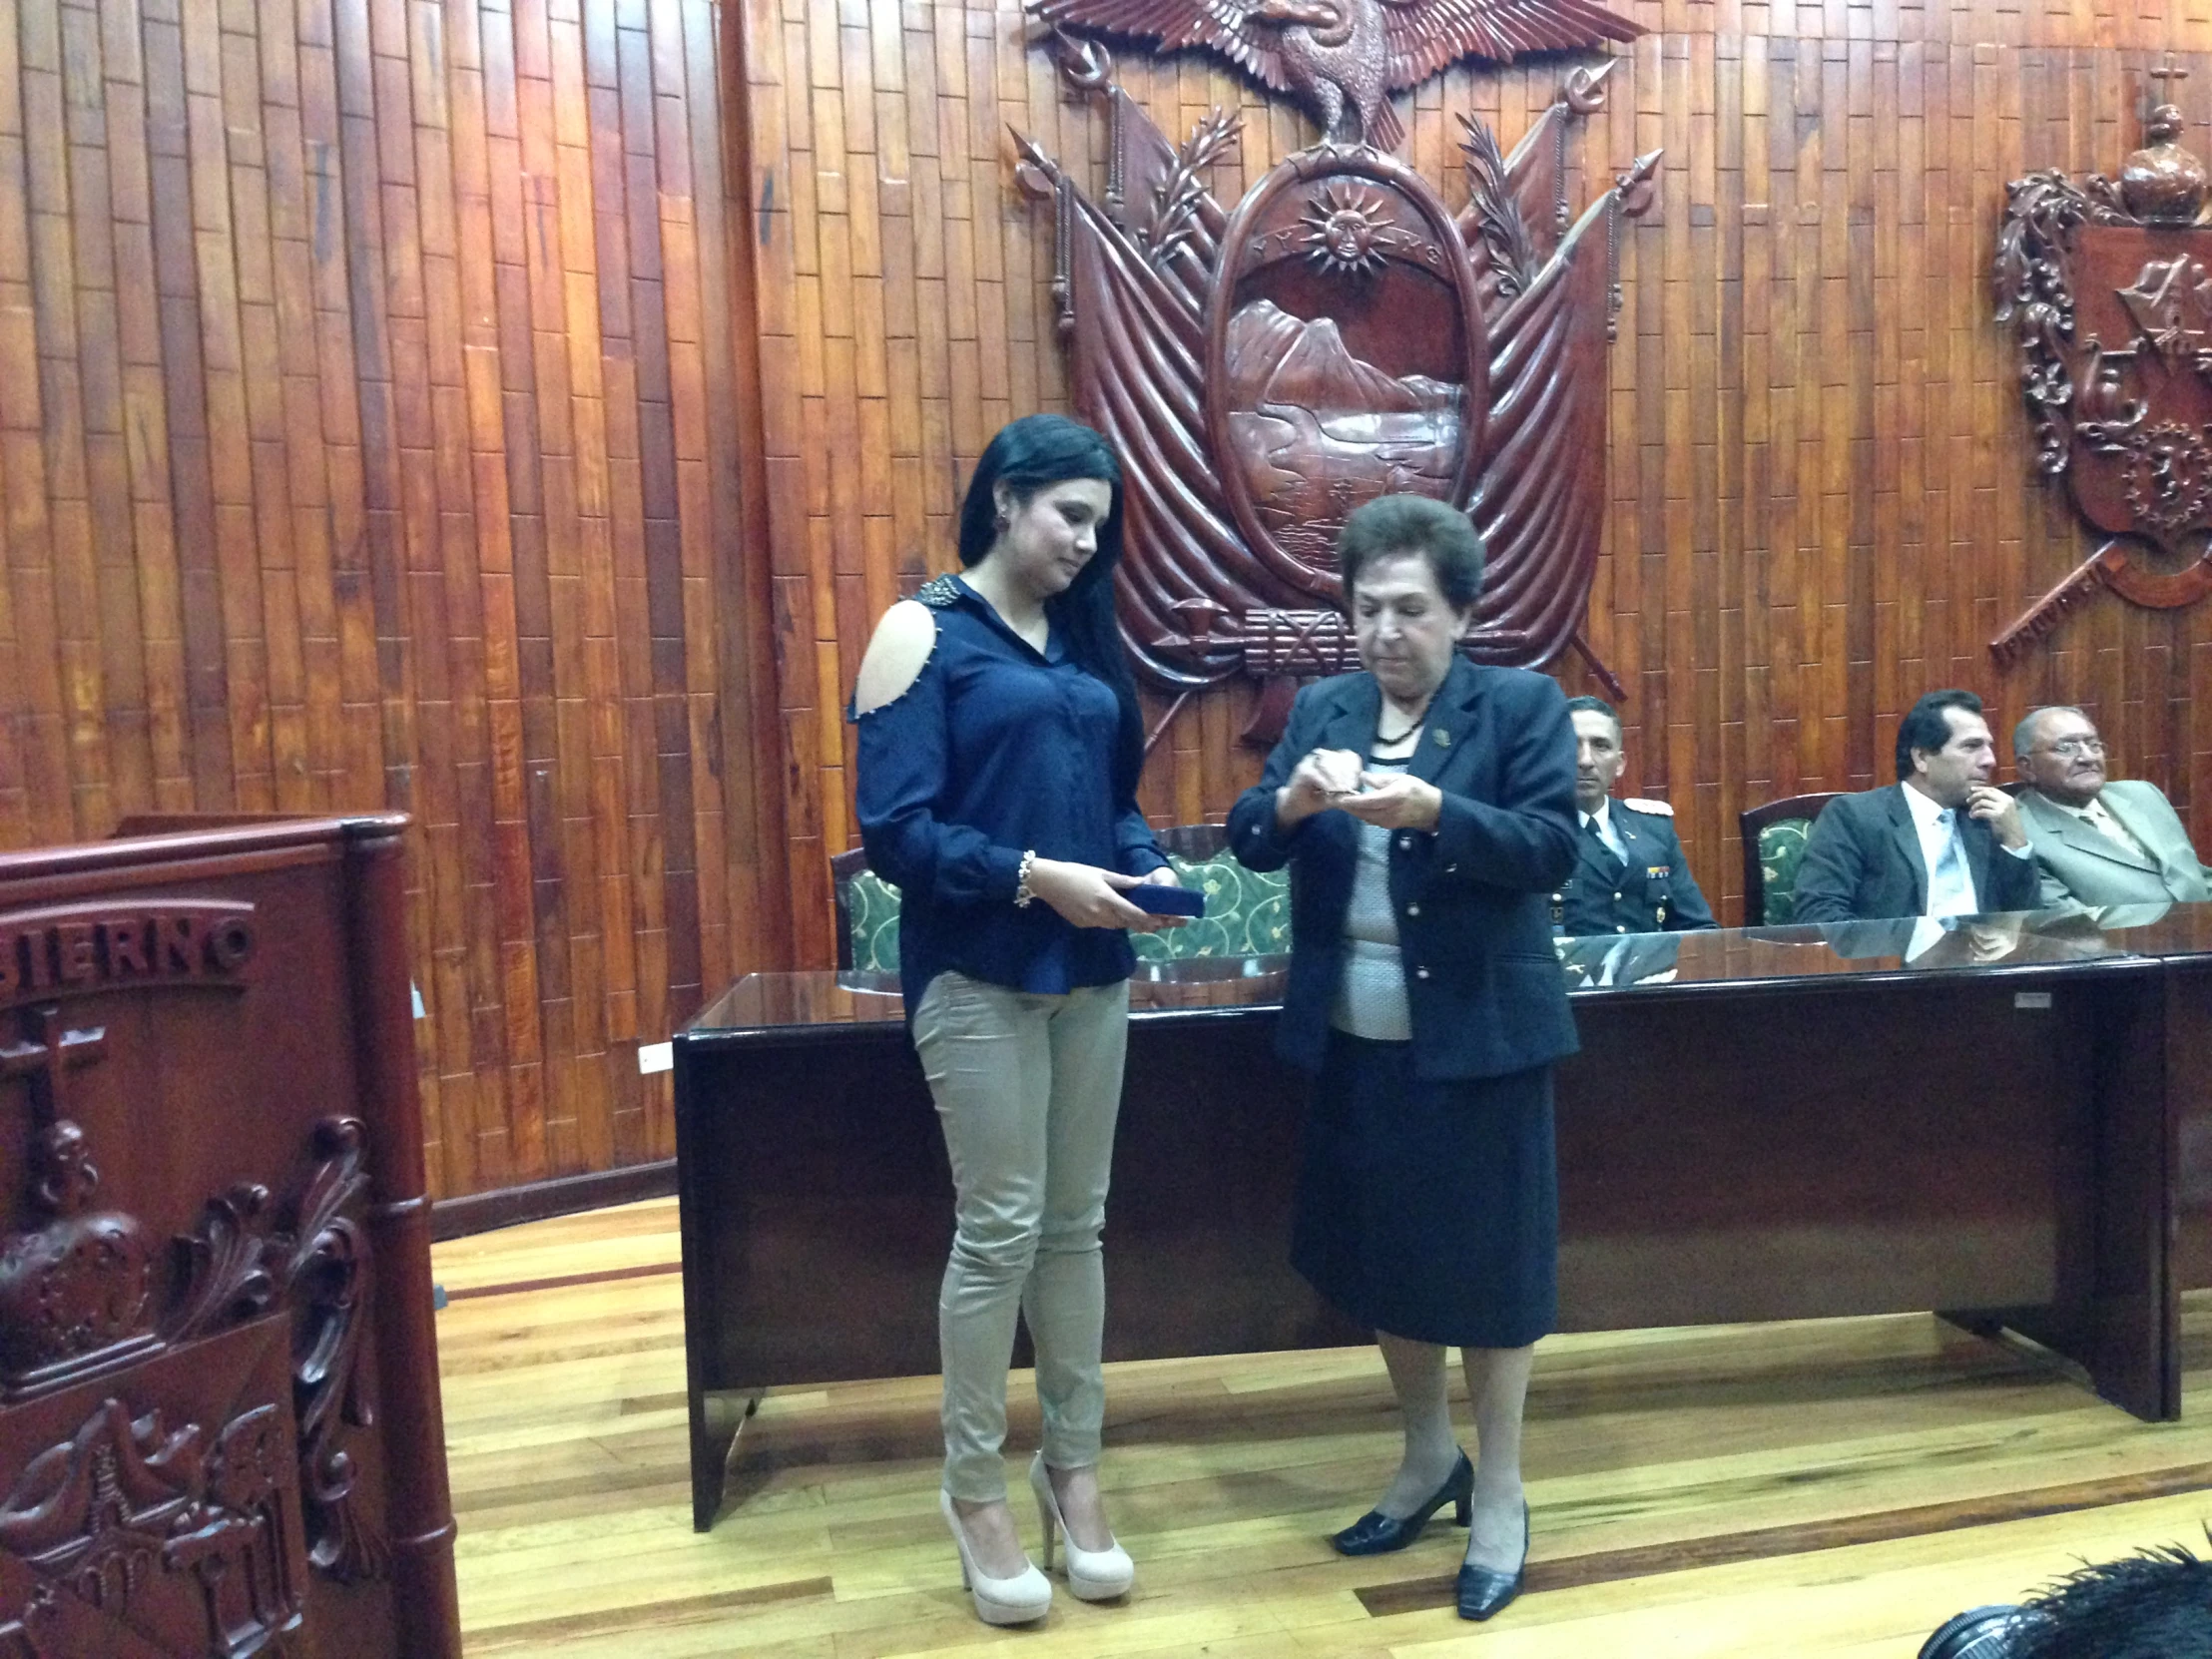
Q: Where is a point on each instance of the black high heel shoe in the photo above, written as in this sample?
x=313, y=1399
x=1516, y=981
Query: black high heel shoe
x=1375, y=1533
x=1483, y=1593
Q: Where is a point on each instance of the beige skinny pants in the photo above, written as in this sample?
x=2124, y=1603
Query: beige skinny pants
x=1028, y=1088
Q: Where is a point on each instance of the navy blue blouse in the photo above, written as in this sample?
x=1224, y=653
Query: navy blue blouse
x=995, y=750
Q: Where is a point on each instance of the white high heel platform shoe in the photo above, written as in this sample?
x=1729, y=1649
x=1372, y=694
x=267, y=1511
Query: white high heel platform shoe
x=1021, y=1599
x=1094, y=1574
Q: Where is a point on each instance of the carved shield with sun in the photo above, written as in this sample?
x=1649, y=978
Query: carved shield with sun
x=1346, y=357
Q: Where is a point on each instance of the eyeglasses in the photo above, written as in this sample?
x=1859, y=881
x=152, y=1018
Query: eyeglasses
x=2073, y=749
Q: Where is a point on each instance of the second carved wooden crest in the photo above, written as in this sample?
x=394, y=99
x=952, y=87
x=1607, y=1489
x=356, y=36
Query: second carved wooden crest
x=2107, y=288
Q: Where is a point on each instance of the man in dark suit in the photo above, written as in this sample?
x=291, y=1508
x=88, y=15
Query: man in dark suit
x=1942, y=841
x=1629, y=874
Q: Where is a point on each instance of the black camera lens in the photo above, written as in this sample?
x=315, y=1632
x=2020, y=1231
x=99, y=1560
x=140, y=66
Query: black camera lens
x=1977, y=1633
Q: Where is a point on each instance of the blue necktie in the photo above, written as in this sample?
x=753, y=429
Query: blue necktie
x=1949, y=885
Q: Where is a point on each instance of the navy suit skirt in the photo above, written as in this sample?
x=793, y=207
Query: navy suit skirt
x=1430, y=1210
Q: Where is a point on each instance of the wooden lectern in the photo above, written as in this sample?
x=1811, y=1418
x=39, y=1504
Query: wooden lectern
x=220, y=1431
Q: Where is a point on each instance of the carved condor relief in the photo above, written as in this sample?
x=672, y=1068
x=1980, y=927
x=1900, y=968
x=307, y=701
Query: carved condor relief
x=1341, y=59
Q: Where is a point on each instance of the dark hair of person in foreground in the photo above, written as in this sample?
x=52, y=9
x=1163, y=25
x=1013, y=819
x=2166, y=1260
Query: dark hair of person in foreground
x=2155, y=1604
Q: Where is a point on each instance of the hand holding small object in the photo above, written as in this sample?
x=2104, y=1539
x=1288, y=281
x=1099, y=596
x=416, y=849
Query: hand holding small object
x=1341, y=770
x=1324, y=779
x=1395, y=800
x=1090, y=896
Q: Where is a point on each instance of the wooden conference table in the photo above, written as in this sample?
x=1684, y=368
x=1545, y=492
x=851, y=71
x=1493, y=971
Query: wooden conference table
x=2003, y=1119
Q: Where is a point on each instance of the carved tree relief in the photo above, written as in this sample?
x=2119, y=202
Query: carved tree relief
x=2107, y=288
x=1265, y=367
x=160, y=1533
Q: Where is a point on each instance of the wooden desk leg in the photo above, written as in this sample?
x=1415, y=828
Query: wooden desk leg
x=2189, y=1079
x=2133, y=1316
x=718, y=1419
x=1975, y=1321
x=714, y=1423
x=2118, y=1314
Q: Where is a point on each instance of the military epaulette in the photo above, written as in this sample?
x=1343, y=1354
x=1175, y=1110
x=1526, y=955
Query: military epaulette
x=1637, y=803
x=940, y=593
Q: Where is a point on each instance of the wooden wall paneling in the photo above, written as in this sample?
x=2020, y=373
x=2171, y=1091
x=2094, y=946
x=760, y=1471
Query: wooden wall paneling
x=249, y=90
x=18, y=356
x=134, y=177
x=370, y=435
x=66, y=534
x=358, y=764
x=470, y=535
x=712, y=711
x=603, y=87
x=104, y=522
x=685, y=647
x=502, y=1016
x=41, y=797
x=686, y=805
x=532, y=926
x=733, y=697
x=292, y=443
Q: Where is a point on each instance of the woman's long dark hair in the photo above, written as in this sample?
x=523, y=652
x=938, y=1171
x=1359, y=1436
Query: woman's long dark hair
x=1026, y=456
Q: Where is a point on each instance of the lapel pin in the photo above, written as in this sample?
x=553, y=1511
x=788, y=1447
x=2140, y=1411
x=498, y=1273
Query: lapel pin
x=1444, y=738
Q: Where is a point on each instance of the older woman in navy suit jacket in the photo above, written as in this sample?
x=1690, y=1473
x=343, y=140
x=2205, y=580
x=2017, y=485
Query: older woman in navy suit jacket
x=1426, y=807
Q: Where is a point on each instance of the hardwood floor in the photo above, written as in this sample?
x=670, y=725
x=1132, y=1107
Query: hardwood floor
x=1830, y=1488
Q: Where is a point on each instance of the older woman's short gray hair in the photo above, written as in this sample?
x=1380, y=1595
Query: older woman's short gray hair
x=1393, y=524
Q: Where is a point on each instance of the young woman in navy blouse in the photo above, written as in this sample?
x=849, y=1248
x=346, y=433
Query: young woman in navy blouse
x=999, y=747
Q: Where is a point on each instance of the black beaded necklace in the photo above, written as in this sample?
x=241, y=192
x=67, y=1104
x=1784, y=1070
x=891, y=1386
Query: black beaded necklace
x=1390, y=742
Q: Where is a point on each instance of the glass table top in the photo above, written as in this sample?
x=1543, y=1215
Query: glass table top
x=1733, y=959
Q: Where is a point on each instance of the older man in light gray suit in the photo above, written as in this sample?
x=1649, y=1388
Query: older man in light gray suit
x=2097, y=841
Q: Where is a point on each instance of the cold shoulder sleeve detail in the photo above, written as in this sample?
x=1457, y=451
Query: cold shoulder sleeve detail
x=899, y=654
x=904, y=758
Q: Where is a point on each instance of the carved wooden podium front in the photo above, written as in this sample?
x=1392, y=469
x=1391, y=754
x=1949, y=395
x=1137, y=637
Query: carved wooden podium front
x=220, y=1431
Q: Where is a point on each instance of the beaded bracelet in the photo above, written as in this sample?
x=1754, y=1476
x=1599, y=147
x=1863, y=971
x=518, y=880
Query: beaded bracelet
x=1022, y=894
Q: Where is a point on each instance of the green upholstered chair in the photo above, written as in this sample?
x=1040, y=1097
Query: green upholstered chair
x=867, y=916
x=1774, y=845
x=1247, y=915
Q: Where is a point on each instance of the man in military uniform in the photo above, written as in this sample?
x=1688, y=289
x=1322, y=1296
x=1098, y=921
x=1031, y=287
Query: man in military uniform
x=1629, y=874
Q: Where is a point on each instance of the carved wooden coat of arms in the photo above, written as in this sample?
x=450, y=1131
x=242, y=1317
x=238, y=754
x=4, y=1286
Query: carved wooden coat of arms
x=2107, y=288
x=1264, y=367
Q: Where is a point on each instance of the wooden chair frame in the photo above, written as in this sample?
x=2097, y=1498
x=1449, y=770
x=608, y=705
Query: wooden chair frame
x=1754, y=820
